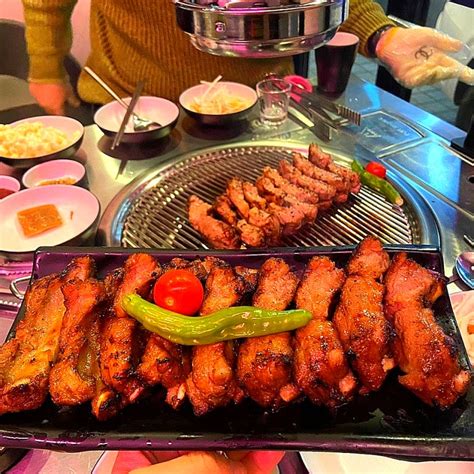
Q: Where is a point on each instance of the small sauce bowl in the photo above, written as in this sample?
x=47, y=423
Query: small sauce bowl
x=8, y=185
x=52, y=172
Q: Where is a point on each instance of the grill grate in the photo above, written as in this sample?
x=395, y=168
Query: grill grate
x=158, y=218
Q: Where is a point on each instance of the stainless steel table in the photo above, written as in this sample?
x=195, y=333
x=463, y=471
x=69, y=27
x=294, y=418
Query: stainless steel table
x=408, y=140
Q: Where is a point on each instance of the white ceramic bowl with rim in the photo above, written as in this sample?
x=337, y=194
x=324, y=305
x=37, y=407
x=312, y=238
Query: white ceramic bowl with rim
x=53, y=170
x=73, y=129
x=109, y=117
x=9, y=183
x=187, y=98
x=79, y=210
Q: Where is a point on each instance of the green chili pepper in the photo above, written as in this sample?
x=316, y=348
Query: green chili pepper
x=379, y=184
x=229, y=323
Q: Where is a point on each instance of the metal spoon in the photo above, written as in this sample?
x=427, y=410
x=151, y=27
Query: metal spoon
x=465, y=268
x=139, y=123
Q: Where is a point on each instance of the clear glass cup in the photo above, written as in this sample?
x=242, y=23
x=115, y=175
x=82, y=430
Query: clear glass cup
x=274, y=98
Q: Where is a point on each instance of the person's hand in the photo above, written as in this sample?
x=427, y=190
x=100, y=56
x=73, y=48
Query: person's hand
x=198, y=462
x=417, y=56
x=53, y=97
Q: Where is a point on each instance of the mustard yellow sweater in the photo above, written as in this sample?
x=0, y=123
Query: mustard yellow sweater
x=139, y=39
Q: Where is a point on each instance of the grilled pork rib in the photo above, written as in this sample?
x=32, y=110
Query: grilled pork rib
x=211, y=383
x=320, y=366
x=422, y=350
x=72, y=379
x=264, y=363
x=359, y=319
x=120, y=339
x=26, y=360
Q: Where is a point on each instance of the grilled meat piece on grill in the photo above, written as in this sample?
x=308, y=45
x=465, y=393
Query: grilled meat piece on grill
x=279, y=197
x=290, y=218
x=271, y=175
x=310, y=211
x=312, y=171
x=251, y=235
x=211, y=383
x=223, y=207
x=121, y=339
x=325, y=161
x=252, y=196
x=425, y=354
x=325, y=191
x=264, y=363
x=72, y=379
x=235, y=193
x=257, y=227
x=26, y=360
x=320, y=368
x=269, y=224
x=359, y=319
x=219, y=234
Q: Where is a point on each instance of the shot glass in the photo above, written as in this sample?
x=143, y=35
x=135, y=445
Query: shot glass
x=274, y=98
x=334, y=63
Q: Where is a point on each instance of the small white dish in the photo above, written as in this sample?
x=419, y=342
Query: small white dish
x=10, y=183
x=187, y=98
x=109, y=117
x=53, y=170
x=73, y=129
x=79, y=210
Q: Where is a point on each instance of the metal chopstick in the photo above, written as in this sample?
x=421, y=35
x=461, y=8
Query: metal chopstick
x=106, y=87
x=128, y=113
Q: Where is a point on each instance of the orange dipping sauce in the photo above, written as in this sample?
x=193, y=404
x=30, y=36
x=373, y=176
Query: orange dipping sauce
x=37, y=220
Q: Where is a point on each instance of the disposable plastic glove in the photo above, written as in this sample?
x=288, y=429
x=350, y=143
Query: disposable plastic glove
x=417, y=56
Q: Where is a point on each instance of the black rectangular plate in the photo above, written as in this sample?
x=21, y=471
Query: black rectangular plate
x=391, y=422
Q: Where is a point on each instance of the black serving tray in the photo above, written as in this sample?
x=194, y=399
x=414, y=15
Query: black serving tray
x=390, y=422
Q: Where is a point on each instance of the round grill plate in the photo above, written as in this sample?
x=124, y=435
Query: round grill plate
x=157, y=215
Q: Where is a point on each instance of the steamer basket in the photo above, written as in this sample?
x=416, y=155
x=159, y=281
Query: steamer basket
x=259, y=29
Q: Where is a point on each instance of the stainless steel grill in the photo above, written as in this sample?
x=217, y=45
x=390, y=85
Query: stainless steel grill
x=156, y=215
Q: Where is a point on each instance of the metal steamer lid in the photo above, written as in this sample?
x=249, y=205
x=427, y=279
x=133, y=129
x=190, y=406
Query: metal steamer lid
x=259, y=29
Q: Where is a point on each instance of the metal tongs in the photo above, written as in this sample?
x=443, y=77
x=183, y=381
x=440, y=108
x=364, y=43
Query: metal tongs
x=327, y=116
x=303, y=93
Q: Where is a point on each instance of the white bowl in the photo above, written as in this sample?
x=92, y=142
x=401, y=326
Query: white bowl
x=240, y=90
x=109, y=117
x=10, y=183
x=71, y=127
x=51, y=170
x=79, y=210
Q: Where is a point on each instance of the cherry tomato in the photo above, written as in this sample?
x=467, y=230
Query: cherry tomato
x=376, y=169
x=179, y=291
